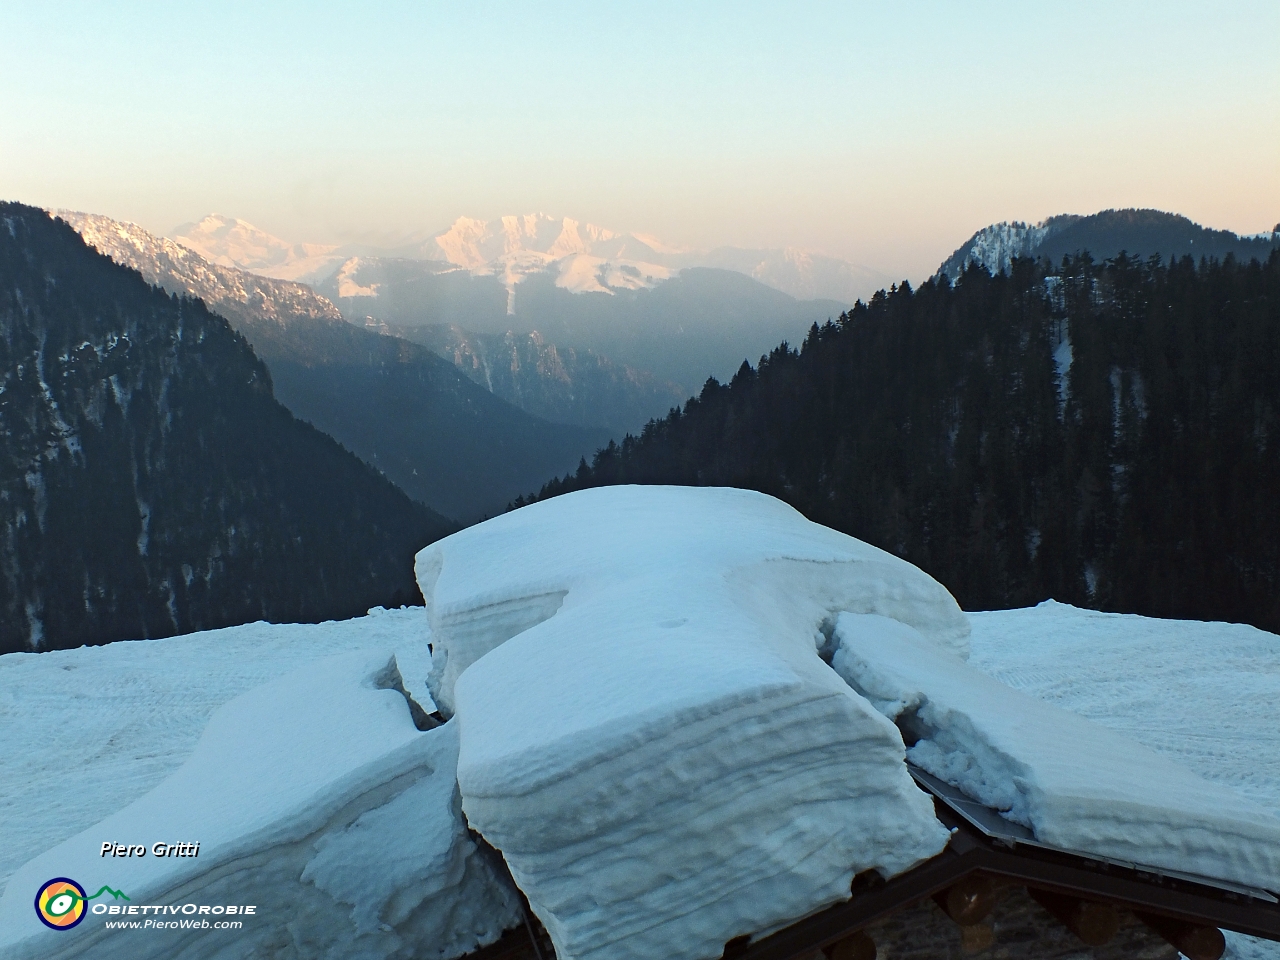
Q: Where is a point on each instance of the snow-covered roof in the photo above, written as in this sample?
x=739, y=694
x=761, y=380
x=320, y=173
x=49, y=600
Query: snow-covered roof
x=646, y=725
x=1076, y=785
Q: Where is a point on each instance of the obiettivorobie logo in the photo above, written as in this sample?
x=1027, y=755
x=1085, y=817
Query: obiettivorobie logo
x=60, y=903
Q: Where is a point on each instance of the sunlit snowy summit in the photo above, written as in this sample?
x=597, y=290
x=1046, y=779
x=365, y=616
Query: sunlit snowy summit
x=674, y=716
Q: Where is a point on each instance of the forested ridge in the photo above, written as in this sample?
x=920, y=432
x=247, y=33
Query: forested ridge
x=1106, y=234
x=150, y=484
x=1106, y=434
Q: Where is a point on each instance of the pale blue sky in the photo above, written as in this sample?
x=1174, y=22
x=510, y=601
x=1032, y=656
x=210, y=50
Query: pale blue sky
x=884, y=133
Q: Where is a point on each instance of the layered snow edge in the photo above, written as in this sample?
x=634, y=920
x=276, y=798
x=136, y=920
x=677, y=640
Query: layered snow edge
x=648, y=733
x=1077, y=785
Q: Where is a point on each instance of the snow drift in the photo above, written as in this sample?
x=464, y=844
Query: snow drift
x=315, y=798
x=648, y=733
x=1075, y=784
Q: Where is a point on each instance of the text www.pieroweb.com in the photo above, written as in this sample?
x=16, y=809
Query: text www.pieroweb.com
x=188, y=916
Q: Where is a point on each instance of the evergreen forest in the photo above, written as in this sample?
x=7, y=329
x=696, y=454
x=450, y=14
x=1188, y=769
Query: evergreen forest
x=1103, y=433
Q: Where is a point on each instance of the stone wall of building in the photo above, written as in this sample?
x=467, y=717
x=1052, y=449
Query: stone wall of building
x=1017, y=929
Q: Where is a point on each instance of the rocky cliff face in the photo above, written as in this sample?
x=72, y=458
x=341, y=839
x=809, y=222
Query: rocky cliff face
x=560, y=384
x=150, y=484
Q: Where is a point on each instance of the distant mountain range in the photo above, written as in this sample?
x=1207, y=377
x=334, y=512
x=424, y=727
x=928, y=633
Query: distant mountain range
x=583, y=325
x=583, y=257
x=150, y=484
x=445, y=440
x=696, y=324
x=1104, y=235
x=655, y=318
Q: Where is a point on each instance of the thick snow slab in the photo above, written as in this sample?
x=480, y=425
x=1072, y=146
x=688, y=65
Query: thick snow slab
x=313, y=797
x=1206, y=695
x=125, y=716
x=648, y=733
x=1076, y=784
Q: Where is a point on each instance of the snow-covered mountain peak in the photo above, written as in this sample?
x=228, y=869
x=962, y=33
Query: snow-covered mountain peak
x=584, y=257
x=179, y=269
x=1103, y=235
x=474, y=244
x=587, y=258
x=231, y=242
x=460, y=244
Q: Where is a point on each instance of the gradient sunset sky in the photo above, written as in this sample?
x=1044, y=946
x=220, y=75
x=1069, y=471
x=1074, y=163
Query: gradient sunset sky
x=882, y=133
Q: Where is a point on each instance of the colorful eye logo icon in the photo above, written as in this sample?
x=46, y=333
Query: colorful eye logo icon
x=60, y=903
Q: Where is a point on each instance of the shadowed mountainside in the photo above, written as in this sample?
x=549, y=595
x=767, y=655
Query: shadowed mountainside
x=442, y=438
x=150, y=484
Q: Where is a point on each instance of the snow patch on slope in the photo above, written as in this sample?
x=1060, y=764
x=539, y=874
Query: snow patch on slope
x=183, y=271
x=1203, y=694
x=131, y=712
x=582, y=273
x=348, y=286
x=996, y=246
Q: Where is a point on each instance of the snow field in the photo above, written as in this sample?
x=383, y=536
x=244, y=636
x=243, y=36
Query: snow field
x=647, y=732
x=1204, y=694
x=642, y=724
